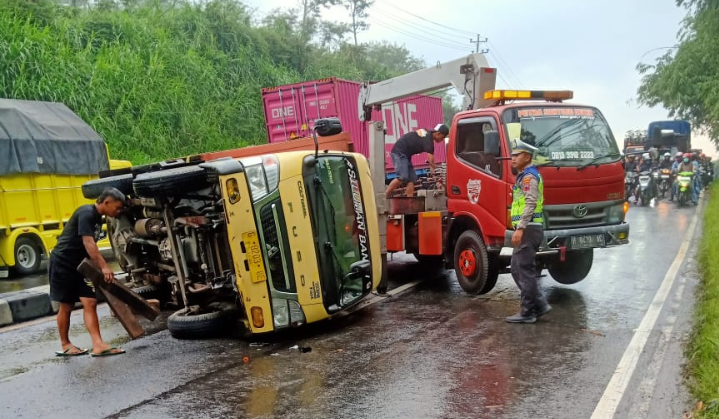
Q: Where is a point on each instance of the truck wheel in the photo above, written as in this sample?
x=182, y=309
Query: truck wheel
x=492, y=275
x=27, y=256
x=575, y=267
x=471, y=263
x=210, y=322
x=93, y=188
x=170, y=182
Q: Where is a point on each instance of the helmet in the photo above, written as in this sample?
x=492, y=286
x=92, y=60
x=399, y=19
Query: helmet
x=704, y=156
x=688, y=155
x=667, y=155
x=679, y=154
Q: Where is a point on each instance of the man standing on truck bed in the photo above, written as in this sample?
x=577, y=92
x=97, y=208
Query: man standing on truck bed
x=67, y=285
x=415, y=142
x=527, y=220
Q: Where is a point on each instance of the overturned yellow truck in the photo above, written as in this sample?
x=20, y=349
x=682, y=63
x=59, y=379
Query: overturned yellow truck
x=46, y=154
x=275, y=237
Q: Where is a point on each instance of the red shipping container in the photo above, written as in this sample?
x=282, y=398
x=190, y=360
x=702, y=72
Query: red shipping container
x=290, y=112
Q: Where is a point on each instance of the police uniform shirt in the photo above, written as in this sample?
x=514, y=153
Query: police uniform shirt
x=530, y=189
x=414, y=142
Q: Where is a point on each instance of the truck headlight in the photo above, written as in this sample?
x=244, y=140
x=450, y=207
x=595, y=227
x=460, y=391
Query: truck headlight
x=287, y=312
x=263, y=175
x=280, y=312
x=257, y=180
x=616, y=214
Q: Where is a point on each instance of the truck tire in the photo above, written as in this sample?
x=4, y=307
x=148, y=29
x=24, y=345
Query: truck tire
x=27, y=256
x=575, y=267
x=492, y=275
x=471, y=262
x=212, y=323
x=171, y=181
x=93, y=188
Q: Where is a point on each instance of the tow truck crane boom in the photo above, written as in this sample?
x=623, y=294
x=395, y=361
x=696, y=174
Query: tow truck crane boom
x=470, y=75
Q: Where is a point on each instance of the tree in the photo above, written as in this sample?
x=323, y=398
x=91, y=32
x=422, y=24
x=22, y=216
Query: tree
x=358, y=10
x=685, y=80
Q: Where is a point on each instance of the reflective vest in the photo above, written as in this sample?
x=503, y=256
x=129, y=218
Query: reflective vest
x=518, y=201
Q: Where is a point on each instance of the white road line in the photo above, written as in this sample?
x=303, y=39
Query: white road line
x=607, y=406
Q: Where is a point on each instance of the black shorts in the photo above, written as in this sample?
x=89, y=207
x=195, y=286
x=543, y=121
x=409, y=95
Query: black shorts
x=67, y=285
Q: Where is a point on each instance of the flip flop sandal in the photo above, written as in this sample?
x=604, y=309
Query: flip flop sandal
x=66, y=352
x=109, y=352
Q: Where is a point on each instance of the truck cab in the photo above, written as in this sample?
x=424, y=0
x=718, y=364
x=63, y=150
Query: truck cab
x=578, y=160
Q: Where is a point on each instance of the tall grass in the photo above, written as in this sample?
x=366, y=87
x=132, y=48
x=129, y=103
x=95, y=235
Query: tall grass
x=703, y=350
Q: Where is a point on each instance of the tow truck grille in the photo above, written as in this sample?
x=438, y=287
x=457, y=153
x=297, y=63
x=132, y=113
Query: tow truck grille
x=569, y=216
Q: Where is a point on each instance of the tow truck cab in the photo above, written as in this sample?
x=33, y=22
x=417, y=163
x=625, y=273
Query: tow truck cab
x=579, y=162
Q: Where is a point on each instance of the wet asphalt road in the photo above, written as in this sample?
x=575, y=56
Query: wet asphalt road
x=430, y=352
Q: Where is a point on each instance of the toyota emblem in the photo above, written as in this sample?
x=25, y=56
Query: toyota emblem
x=580, y=211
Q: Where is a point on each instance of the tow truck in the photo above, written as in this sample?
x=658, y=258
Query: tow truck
x=466, y=225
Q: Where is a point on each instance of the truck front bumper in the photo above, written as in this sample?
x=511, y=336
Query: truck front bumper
x=556, y=240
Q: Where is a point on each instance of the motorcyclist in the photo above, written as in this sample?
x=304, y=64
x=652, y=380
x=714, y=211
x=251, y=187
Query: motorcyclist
x=666, y=162
x=687, y=166
x=697, y=172
x=630, y=164
x=646, y=163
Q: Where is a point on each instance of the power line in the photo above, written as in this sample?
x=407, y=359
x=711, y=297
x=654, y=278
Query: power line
x=417, y=36
x=510, y=73
x=446, y=27
x=433, y=37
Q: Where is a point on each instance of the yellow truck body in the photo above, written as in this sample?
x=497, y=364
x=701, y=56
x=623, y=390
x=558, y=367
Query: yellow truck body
x=34, y=208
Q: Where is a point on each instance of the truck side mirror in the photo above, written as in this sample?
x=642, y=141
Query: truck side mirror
x=328, y=126
x=491, y=143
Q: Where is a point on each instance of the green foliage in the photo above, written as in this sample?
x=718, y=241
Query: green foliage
x=160, y=79
x=703, y=365
x=685, y=79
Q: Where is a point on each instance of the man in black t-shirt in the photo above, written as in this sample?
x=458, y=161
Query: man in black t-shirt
x=415, y=142
x=67, y=286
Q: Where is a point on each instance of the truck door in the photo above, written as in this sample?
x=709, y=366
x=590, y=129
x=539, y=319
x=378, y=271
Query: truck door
x=474, y=179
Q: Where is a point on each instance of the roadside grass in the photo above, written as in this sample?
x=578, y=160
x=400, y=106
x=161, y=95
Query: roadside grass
x=703, y=349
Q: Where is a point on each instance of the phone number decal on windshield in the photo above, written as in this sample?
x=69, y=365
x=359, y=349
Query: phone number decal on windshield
x=569, y=155
x=558, y=111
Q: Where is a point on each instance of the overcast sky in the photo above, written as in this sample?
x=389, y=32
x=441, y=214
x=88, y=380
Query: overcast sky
x=591, y=48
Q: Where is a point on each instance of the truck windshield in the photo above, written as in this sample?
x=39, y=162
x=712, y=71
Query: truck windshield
x=340, y=227
x=565, y=136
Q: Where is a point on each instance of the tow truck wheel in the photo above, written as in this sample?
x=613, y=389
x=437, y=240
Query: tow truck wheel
x=471, y=263
x=200, y=323
x=492, y=275
x=576, y=267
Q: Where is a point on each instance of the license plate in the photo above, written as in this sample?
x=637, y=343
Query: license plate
x=254, y=257
x=588, y=241
x=4, y=273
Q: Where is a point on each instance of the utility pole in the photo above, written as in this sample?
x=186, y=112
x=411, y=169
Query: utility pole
x=476, y=43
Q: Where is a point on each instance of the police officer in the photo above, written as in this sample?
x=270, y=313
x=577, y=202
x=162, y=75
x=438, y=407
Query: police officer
x=527, y=220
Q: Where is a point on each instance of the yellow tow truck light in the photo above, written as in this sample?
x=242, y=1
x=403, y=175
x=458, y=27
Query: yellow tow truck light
x=550, y=95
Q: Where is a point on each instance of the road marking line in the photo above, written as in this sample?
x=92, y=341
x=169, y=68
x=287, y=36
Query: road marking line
x=613, y=394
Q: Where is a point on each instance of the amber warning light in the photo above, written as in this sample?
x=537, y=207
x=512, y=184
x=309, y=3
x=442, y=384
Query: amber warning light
x=549, y=95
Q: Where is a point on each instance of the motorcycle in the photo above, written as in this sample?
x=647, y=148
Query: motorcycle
x=630, y=179
x=645, y=191
x=684, y=181
x=664, y=178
